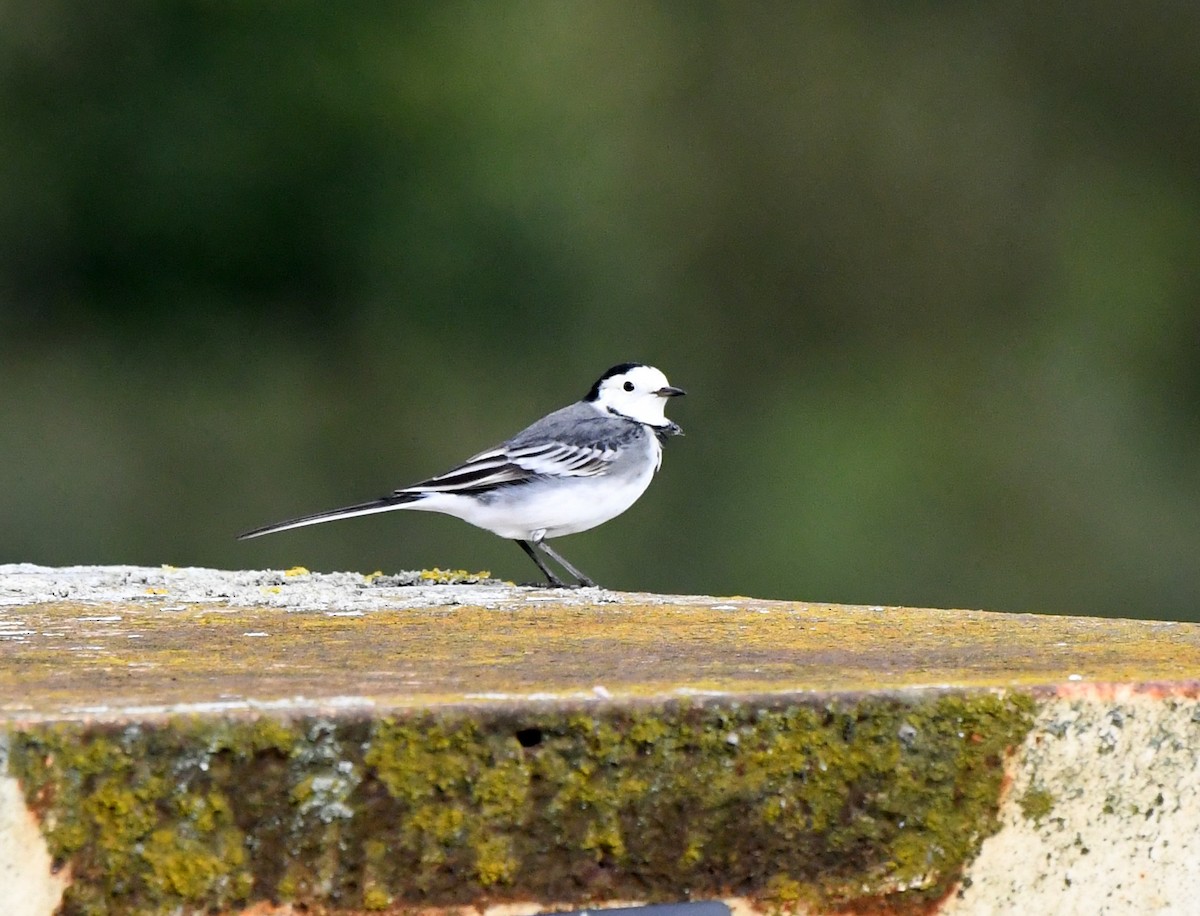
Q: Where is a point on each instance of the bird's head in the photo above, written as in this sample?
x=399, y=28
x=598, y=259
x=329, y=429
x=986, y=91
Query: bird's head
x=635, y=392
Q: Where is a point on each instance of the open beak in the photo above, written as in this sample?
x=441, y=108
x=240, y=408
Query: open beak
x=669, y=392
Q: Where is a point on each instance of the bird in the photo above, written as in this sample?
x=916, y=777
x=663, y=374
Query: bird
x=570, y=471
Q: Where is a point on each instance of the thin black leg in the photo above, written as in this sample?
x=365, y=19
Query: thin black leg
x=583, y=580
x=533, y=555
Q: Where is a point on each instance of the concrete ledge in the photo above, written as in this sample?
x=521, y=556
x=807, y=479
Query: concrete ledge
x=194, y=739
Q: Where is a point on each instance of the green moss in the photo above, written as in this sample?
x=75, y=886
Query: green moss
x=144, y=825
x=288, y=886
x=375, y=893
x=882, y=795
x=462, y=794
x=1036, y=804
x=784, y=895
x=857, y=802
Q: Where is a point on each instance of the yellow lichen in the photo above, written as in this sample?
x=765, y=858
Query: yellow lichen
x=187, y=868
x=453, y=576
x=376, y=898
x=494, y=860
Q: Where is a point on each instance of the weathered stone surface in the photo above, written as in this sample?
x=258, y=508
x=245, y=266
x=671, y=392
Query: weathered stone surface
x=1103, y=813
x=196, y=739
x=109, y=642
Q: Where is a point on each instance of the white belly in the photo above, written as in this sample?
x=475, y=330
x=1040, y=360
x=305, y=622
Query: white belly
x=554, y=507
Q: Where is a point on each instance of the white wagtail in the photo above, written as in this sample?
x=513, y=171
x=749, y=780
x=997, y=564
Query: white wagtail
x=570, y=471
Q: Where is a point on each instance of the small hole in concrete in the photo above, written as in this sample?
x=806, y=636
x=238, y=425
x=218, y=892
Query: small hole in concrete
x=530, y=737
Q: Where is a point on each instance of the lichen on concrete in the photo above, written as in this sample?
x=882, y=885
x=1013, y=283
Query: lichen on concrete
x=1036, y=803
x=828, y=802
x=143, y=815
x=1103, y=815
x=118, y=642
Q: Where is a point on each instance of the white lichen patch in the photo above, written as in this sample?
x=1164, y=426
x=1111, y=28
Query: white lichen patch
x=343, y=593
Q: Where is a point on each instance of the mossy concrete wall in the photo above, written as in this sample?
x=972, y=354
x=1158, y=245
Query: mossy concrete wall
x=195, y=741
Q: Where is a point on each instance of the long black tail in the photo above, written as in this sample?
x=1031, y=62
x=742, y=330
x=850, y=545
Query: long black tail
x=383, y=504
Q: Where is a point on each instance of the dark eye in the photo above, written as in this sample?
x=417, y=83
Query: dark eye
x=629, y=386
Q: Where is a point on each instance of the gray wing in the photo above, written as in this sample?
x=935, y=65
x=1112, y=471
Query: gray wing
x=572, y=442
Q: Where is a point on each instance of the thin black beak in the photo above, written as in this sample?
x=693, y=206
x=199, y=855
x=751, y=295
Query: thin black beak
x=669, y=392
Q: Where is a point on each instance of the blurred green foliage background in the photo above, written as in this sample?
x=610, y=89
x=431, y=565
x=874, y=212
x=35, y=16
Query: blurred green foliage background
x=929, y=271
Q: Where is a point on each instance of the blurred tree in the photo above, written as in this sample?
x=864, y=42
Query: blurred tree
x=931, y=273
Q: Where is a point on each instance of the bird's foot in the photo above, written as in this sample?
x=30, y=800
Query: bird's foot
x=584, y=583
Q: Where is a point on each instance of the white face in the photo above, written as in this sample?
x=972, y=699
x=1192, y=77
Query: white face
x=639, y=393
